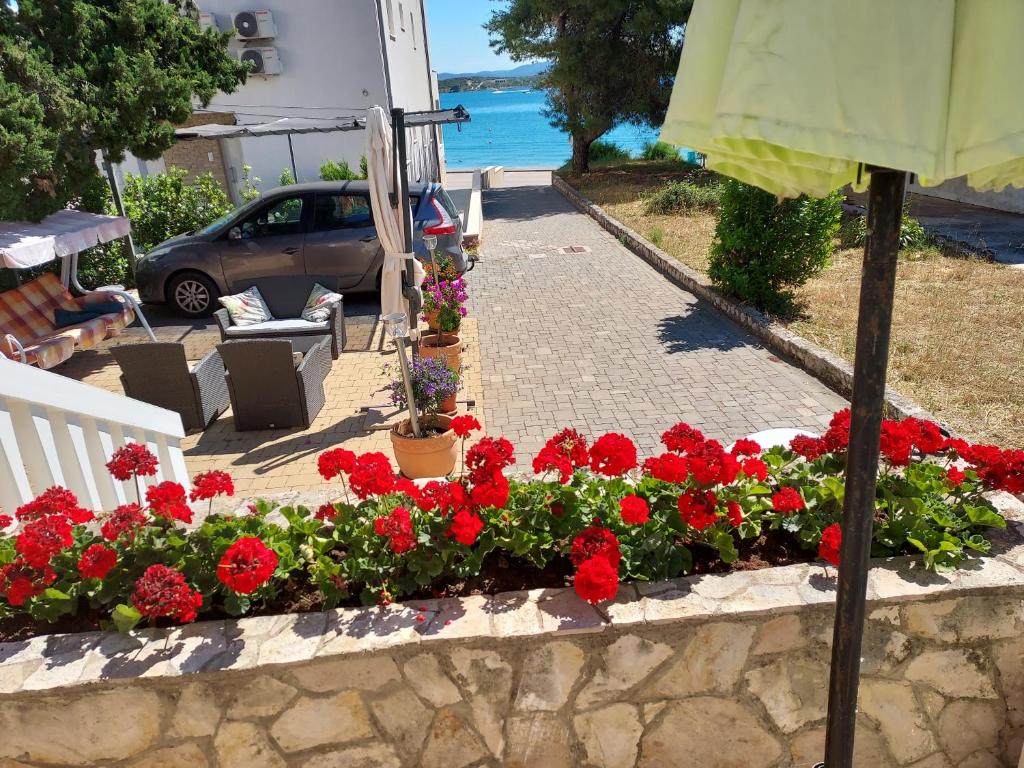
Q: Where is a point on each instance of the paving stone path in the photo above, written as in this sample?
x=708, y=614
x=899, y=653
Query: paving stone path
x=576, y=330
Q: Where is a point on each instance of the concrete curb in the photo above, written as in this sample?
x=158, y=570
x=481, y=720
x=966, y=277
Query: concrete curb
x=830, y=369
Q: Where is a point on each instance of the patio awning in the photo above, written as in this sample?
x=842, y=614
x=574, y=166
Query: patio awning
x=287, y=126
x=23, y=244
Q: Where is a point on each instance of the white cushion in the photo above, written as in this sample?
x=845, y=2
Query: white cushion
x=246, y=308
x=291, y=324
x=319, y=303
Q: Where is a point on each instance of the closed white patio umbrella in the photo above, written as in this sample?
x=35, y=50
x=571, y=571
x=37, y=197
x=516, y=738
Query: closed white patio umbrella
x=387, y=216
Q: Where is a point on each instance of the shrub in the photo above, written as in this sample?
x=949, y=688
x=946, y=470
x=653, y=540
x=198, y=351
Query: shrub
x=659, y=150
x=286, y=179
x=679, y=196
x=602, y=150
x=447, y=298
x=340, y=171
x=433, y=382
x=656, y=236
x=249, y=188
x=390, y=537
x=763, y=247
x=913, y=237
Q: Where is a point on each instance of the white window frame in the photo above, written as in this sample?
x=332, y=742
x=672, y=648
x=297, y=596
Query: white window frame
x=391, y=19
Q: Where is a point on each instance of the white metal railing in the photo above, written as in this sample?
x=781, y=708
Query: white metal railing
x=58, y=431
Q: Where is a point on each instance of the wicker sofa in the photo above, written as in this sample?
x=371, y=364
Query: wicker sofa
x=28, y=332
x=286, y=298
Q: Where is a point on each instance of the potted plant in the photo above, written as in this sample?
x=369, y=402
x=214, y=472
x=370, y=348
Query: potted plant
x=443, y=310
x=434, y=452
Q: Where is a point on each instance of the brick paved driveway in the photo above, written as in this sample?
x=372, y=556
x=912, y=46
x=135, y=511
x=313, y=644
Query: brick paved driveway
x=599, y=340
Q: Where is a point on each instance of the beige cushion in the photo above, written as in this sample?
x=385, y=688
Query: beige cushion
x=247, y=308
x=319, y=303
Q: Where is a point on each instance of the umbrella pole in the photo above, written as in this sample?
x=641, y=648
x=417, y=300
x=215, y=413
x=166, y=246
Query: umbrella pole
x=874, y=322
x=409, y=289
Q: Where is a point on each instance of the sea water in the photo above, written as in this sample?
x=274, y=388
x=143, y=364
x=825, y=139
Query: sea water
x=508, y=128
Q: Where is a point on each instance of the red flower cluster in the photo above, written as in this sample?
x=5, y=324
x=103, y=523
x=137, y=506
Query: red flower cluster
x=334, y=462
x=612, y=455
x=1000, y=469
x=207, y=485
x=96, y=562
x=563, y=453
x=595, y=553
x=897, y=442
x=167, y=500
x=372, y=475
x=811, y=448
x=132, y=460
x=246, y=565
x=54, y=501
x=669, y=468
x=698, y=509
x=634, y=510
x=955, y=476
x=466, y=526
x=19, y=581
x=831, y=539
x=5, y=520
x=43, y=538
x=464, y=424
x=711, y=465
x=325, y=512
x=493, y=493
x=734, y=512
x=682, y=438
x=485, y=462
x=123, y=521
x=755, y=469
x=397, y=528
x=745, y=447
x=163, y=592
x=445, y=497
x=787, y=501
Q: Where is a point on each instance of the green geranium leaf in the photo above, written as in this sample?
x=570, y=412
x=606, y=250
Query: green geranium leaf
x=125, y=617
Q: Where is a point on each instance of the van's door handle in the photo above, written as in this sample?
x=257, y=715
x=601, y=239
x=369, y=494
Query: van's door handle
x=367, y=239
x=290, y=251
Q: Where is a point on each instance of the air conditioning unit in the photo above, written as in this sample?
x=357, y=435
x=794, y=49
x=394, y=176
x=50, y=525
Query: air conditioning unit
x=254, y=25
x=208, y=21
x=261, y=61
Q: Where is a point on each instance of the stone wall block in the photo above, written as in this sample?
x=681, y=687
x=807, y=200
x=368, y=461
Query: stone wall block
x=189, y=755
x=955, y=673
x=316, y=722
x=793, y=690
x=538, y=740
x=245, y=745
x=487, y=680
x=430, y=681
x=712, y=662
x=404, y=719
x=808, y=747
x=548, y=676
x=365, y=673
x=611, y=735
x=894, y=708
x=451, y=743
x=197, y=714
x=967, y=726
x=625, y=663
x=363, y=756
x=263, y=696
x=779, y=635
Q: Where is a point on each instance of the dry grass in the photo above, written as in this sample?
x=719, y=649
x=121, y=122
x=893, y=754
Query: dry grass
x=958, y=329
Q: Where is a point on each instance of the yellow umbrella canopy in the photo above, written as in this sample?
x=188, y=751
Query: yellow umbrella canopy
x=805, y=96
x=793, y=96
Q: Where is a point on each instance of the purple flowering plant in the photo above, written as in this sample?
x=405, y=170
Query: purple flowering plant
x=433, y=382
x=447, y=298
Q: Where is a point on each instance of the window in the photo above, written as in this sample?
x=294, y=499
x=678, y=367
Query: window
x=391, y=20
x=412, y=27
x=281, y=218
x=342, y=212
x=401, y=16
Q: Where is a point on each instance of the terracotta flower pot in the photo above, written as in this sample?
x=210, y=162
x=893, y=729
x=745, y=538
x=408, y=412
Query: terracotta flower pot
x=428, y=456
x=432, y=320
x=450, y=406
x=450, y=348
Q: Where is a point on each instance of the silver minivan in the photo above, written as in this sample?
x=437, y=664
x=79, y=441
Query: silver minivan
x=323, y=230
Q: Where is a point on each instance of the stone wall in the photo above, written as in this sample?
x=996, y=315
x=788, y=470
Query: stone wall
x=723, y=671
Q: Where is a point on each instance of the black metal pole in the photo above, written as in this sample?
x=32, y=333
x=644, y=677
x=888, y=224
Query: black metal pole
x=291, y=154
x=877, y=288
x=409, y=289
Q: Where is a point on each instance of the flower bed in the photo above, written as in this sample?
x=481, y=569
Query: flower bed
x=592, y=505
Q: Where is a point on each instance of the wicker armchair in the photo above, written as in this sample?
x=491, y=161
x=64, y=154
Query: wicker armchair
x=267, y=389
x=158, y=373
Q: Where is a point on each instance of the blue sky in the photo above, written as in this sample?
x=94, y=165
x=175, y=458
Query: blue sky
x=458, y=42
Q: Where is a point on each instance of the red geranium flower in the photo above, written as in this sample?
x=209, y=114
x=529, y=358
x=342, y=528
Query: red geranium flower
x=998, y=469
x=682, y=438
x=207, y=485
x=19, y=581
x=163, y=592
x=132, y=460
x=397, y=528
x=332, y=463
x=551, y=460
x=831, y=539
x=955, y=476
x=325, y=512
x=96, y=562
x=408, y=488
x=445, y=497
x=612, y=455
x=41, y=539
x=711, y=465
x=595, y=542
x=896, y=442
x=925, y=435
x=754, y=469
x=246, y=565
x=123, y=521
x=698, y=509
x=54, y=501
x=734, y=512
x=634, y=510
x=810, y=448
x=465, y=527
x=167, y=500
x=562, y=453
x=669, y=468
x=745, y=447
x=488, y=457
x=787, y=500
x=493, y=493
x=5, y=520
x=596, y=580
x=463, y=425
x=837, y=436
x=372, y=475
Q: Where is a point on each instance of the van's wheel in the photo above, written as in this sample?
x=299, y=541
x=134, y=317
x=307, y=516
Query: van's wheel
x=192, y=294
